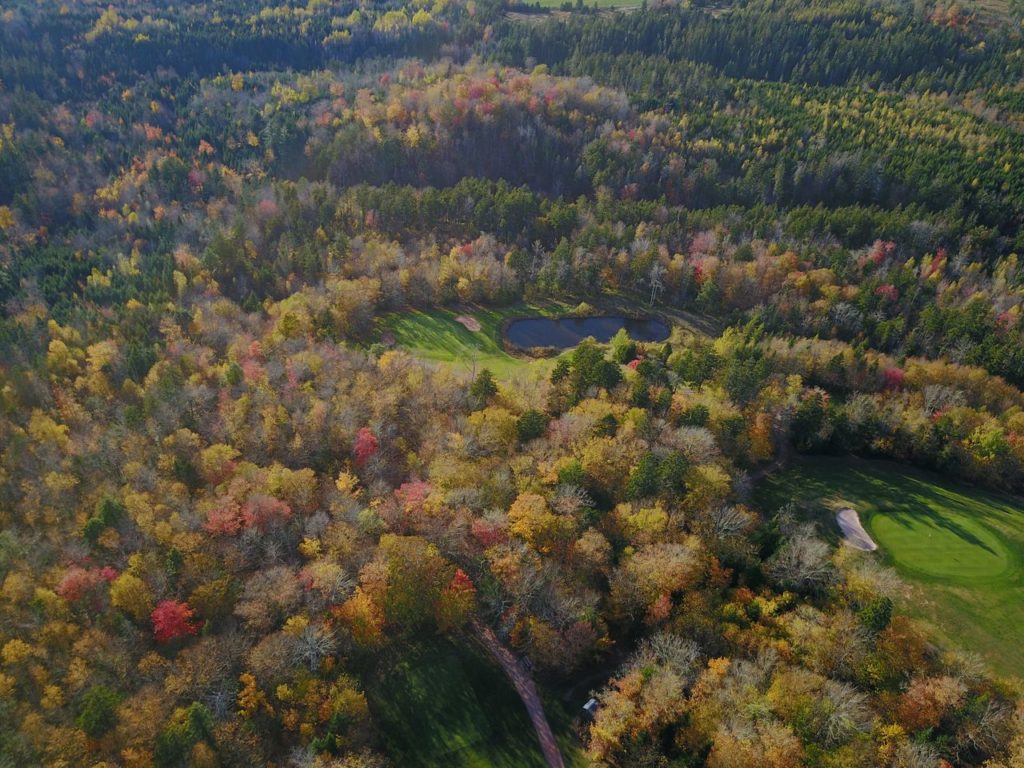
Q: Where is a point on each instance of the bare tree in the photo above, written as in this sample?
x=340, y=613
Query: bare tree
x=726, y=520
x=940, y=396
x=570, y=500
x=654, y=277
x=846, y=713
x=671, y=651
x=804, y=563
x=985, y=732
x=313, y=645
x=913, y=754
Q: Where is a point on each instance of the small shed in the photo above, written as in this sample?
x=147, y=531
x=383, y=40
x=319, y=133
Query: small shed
x=590, y=708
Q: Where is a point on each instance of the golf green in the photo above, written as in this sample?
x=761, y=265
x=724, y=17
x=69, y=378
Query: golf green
x=951, y=547
x=960, y=550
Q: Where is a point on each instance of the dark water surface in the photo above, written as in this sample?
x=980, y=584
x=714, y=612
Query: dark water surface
x=566, y=332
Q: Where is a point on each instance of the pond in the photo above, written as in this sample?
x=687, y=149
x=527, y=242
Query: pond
x=567, y=332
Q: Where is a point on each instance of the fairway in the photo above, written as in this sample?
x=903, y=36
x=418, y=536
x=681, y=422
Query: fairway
x=445, y=705
x=960, y=550
x=436, y=336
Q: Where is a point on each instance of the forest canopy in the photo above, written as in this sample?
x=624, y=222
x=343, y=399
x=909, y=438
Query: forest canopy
x=235, y=510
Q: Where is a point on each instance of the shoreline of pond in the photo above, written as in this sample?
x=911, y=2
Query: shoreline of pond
x=550, y=336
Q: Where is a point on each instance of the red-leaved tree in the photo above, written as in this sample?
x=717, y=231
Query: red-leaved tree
x=224, y=518
x=264, y=512
x=173, y=619
x=366, y=446
x=893, y=378
x=412, y=495
x=79, y=582
x=456, y=603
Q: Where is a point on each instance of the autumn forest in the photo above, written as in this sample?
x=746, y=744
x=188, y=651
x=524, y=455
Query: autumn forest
x=277, y=487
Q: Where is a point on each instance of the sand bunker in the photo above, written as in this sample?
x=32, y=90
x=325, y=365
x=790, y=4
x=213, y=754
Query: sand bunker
x=471, y=323
x=853, y=532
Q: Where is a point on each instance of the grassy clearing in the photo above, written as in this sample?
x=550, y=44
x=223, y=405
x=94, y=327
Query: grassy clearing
x=440, y=704
x=992, y=12
x=437, y=337
x=959, y=550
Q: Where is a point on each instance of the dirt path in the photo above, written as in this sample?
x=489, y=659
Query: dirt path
x=527, y=691
x=767, y=469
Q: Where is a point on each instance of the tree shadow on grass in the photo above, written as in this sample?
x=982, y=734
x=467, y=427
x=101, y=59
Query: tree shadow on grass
x=921, y=502
x=907, y=500
x=965, y=604
x=441, y=333
x=438, y=704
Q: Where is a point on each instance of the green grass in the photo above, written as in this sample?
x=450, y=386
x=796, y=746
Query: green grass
x=439, y=704
x=960, y=550
x=435, y=336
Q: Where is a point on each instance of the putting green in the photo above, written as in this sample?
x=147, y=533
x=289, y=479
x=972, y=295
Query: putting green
x=959, y=550
x=951, y=547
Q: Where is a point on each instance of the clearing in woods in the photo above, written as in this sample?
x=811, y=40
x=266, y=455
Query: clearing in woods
x=444, y=336
x=443, y=704
x=449, y=336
